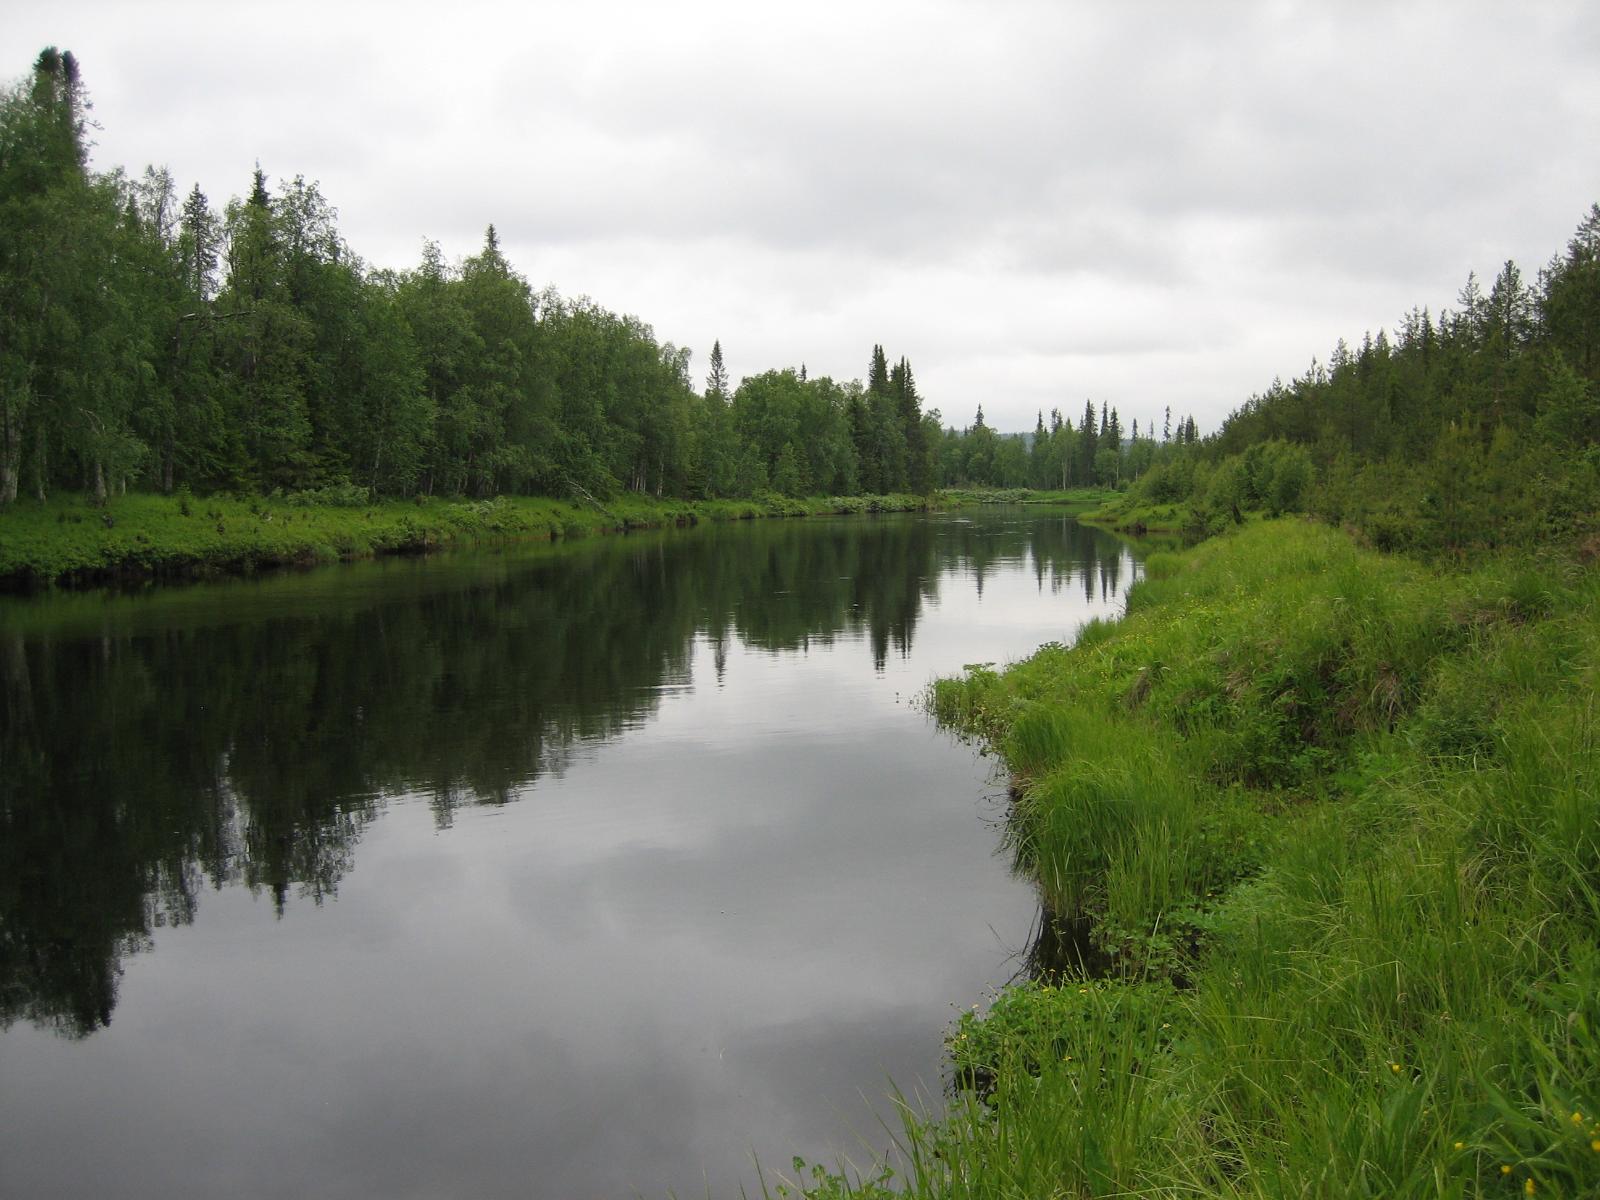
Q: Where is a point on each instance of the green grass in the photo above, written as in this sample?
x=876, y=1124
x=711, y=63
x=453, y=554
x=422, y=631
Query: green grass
x=68, y=540
x=1332, y=823
x=1124, y=513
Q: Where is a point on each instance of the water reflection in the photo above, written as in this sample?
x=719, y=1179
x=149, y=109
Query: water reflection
x=249, y=734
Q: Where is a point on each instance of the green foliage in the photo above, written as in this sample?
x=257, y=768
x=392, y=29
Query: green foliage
x=333, y=495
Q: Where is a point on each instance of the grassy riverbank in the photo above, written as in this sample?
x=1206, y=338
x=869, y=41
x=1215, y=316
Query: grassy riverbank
x=1127, y=514
x=1079, y=500
x=67, y=540
x=1321, y=831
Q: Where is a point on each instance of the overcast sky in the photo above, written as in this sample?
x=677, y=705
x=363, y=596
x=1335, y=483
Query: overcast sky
x=1146, y=204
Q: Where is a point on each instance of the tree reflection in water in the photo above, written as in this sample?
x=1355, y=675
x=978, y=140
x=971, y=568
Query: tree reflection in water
x=247, y=733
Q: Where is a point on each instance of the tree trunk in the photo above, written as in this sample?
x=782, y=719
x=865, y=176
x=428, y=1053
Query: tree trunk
x=10, y=457
x=41, y=457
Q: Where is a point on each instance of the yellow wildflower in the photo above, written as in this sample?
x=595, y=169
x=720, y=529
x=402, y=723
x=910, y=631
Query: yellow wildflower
x=1461, y=1145
x=1395, y=1067
x=1504, y=1170
x=1529, y=1187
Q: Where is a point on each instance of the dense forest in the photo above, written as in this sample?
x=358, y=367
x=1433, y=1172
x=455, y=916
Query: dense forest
x=1476, y=428
x=148, y=340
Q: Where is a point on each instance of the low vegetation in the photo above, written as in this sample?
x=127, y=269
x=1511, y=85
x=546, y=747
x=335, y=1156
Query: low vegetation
x=1080, y=499
x=69, y=539
x=1319, y=833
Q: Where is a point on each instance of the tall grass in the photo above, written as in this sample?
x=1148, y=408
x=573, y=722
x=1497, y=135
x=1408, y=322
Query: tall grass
x=1333, y=821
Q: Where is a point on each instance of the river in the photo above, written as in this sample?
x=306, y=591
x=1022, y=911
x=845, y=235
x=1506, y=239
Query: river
x=593, y=870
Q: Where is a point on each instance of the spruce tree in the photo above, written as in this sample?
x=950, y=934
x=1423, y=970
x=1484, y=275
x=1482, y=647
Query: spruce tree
x=918, y=469
x=878, y=373
x=1088, y=434
x=717, y=376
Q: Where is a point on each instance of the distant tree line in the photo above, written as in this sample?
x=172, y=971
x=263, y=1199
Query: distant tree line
x=1096, y=453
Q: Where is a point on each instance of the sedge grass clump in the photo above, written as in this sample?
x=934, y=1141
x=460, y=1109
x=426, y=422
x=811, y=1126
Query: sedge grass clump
x=1162, y=565
x=1059, y=1092
x=1040, y=739
x=1113, y=824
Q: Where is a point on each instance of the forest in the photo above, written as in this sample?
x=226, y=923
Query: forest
x=151, y=341
x=1474, y=429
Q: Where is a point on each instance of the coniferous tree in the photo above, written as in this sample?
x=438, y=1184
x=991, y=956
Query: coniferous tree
x=878, y=373
x=265, y=349
x=908, y=405
x=1569, y=307
x=868, y=462
x=1040, y=470
x=717, y=376
x=887, y=439
x=1088, y=442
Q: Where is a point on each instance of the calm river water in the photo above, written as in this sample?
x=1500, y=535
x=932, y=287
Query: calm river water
x=580, y=871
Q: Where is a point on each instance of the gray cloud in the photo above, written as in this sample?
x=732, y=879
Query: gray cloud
x=1146, y=203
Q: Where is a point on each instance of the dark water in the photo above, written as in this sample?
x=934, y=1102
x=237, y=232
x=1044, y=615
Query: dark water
x=588, y=871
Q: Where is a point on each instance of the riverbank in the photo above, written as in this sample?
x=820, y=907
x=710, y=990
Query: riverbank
x=1125, y=514
x=1320, y=831
x=67, y=541
x=1075, y=500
